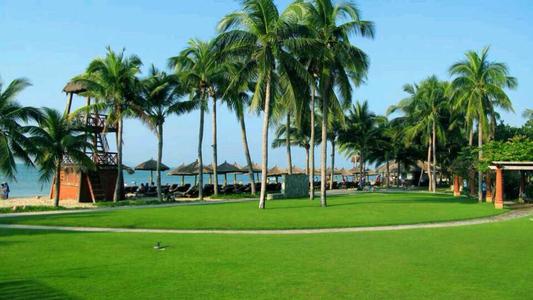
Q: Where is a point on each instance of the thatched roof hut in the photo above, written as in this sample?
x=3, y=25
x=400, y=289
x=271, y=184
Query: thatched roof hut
x=190, y=169
x=75, y=87
x=151, y=165
x=226, y=168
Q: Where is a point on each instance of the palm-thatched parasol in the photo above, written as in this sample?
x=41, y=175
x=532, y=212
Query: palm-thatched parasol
x=150, y=165
x=191, y=169
x=227, y=168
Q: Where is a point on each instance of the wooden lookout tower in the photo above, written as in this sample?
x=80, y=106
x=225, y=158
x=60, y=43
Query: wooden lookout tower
x=97, y=185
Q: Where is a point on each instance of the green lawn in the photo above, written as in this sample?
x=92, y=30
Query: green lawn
x=363, y=209
x=491, y=261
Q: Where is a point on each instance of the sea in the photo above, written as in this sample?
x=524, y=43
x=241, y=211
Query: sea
x=27, y=182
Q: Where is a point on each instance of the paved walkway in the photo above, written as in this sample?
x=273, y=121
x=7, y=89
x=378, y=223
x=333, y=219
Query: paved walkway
x=514, y=214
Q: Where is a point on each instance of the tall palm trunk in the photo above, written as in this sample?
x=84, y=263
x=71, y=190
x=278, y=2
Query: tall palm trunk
x=247, y=154
x=159, y=159
x=434, y=146
x=200, y=158
x=332, y=174
x=480, y=156
x=307, y=159
x=312, y=147
x=118, y=185
x=361, y=166
x=388, y=169
x=324, y=152
x=264, y=145
x=399, y=172
x=430, y=178
x=57, y=183
x=214, y=163
x=471, y=175
x=288, y=142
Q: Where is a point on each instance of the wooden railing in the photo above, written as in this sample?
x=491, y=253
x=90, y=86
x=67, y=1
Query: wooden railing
x=94, y=121
x=99, y=159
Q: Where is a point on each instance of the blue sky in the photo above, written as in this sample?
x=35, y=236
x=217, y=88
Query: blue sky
x=51, y=41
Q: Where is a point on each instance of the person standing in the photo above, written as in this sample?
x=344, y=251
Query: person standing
x=6, y=190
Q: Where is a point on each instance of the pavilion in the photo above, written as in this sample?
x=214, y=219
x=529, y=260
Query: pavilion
x=499, y=167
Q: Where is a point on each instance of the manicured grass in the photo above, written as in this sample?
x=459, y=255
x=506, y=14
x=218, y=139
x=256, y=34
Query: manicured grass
x=234, y=196
x=491, y=261
x=362, y=209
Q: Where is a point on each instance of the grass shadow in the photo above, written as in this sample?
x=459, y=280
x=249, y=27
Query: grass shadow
x=30, y=289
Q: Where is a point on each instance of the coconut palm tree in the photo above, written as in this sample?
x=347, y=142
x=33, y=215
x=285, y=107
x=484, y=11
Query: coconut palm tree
x=112, y=80
x=478, y=88
x=528, y=114
x=260, y=32
x=338, y=63
x=425, y=108
x=54, y=140
x=237, y=98
x=13, y=143
x=200, y=69
x=359, y=133
x=160, y=97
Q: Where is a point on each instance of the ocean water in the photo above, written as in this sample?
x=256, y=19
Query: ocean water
x=27, y=183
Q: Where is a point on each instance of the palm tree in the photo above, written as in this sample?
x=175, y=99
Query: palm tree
x=528, y=114
x=237, y=99
x=54, y=140
x=200, y=69
x=13, y=143
x=360, y=133
x=382, y=148
x=337, y=61
x=478, y=89
x=336, y=126
x=112, y=80
x=159, y=98
x=260, y=32
x=424, y=108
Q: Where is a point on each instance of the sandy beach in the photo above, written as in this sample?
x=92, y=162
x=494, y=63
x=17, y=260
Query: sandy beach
x=41, y=201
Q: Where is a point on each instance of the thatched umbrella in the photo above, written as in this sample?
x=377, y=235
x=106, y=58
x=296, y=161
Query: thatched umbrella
x=227, y=168
x=191, y=169
x=150, y=165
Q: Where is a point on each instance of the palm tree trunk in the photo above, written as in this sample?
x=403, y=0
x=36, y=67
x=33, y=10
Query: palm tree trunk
x=434, y=146
x=324, y=152
x=471, y=171
x=332, y=163
x=307, y=159
x=361, y=166
x=399, y=172
x=159, y=159
x=288, y=142
x=200, y=158
x=430, y=177
x=480, y=156
x=214, y=163
x=57, y=183
x=388, y=170
x=118, y=186
x=312, y=147
x=247, y=154
x=264, y=145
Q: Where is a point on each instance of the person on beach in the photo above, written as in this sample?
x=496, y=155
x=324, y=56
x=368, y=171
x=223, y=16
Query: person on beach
x=5, y=191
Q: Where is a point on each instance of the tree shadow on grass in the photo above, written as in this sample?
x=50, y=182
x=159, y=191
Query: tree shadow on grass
x=30, y=289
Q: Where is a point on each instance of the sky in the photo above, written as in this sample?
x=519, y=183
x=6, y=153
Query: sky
x=49, y=42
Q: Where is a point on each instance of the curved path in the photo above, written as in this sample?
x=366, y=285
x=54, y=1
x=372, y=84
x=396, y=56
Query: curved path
x=514, y=214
